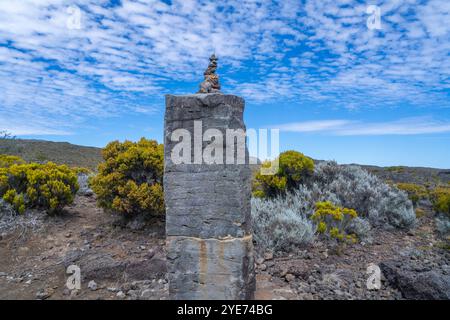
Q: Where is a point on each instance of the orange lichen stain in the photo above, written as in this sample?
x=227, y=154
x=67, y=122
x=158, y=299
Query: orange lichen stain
x=203, y=262
x=221, y=256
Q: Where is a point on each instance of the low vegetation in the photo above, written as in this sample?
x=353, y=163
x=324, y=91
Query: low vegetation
x=47, y=186
x=129, y=181
x=443, y=226
x=441, y=200
x=282, y=224
x=293, y=169
x=333, y=221
x=291, y=208
x=339, y=202
x=396, y=169
x=40, y=151
x=353, y=187
x=415, y=192
x=6, y=160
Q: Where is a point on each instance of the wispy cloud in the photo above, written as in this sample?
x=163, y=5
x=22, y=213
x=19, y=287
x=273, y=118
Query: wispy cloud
x=313, y=126
x=36, y=128
x=407, y=126
x=128, y=52
x=146, y=109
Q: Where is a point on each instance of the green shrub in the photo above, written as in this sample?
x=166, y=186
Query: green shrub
x=7, y=160
x=420, y=212
x=294, y=167
x=440, y=197
x=332, y=221
x=396, y=169
x=415, y=192
x=44, y=186
x=15, y=200
x=130, y=179
x=81, y=170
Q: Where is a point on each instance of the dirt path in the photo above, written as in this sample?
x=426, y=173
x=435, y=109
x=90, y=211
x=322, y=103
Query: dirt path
x=37, y=263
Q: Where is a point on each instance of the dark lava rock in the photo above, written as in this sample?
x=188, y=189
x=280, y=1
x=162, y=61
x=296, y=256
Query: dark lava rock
x=102, y=266
x=428, y=285
x=146, y=269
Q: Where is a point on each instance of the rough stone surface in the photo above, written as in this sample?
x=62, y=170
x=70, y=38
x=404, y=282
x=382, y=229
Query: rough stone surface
x=208, y=222
x=98, y=266
x=44, y=293
x=92, y=285
x=102, y=266
x=425, y=285
x=146, y=269
x=211, y=82
x=210, y=268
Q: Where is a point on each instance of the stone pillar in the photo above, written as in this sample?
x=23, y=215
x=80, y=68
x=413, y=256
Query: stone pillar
x=208, y=222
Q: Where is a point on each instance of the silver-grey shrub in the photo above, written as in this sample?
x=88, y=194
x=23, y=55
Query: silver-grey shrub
x=5, y=208
x=282, y=224
x=10, y=221
x=360, y=227
x=443, y=225
x=351, y=186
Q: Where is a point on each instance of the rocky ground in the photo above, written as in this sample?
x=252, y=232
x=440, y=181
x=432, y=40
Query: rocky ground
x=120, y=261
x=116, y=261
x=319, y=272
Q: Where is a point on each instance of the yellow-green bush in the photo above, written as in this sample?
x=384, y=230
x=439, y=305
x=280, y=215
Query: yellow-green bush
x=440, y=197
x=415, y=192
x=45, y=186
x=293, y=168
x=7, y=160
x=332, y=221
x=397, y=169
x=420, y=213
x=81, y=170
x=130, y=179
x=16, y=200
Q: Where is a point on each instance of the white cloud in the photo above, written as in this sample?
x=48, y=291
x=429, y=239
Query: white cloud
x=37, y=127
x=317, y=51
x=146, y=109
x=407, y=126
x=313, y=126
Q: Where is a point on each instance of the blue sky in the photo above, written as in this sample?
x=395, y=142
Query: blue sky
x=336, y=89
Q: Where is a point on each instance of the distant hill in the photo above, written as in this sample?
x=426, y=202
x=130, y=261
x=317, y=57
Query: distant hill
x=418, y=175
x=58, y=152
x=90, y=157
